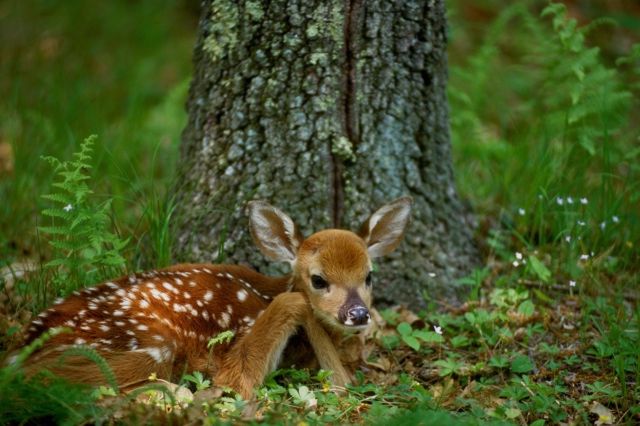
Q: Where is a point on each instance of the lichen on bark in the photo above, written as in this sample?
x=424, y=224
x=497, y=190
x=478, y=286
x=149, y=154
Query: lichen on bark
x=327, y=109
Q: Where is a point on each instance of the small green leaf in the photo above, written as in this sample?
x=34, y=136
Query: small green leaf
x=428, y=336
x=539, y=269
x=526, y=308
x=411, y=341
x=512, y=413
x=521, y=364
x=498, y=361
x=404, y=329
x=460, y=341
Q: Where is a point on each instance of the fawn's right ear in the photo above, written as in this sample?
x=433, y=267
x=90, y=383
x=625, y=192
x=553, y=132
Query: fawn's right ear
x=274, y=232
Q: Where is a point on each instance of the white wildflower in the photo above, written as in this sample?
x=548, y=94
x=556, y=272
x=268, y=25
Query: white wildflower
x=584, y=201
x=516, y=263
x=569, y=200
x=584, y=257
x=567, y=238
x=581, y=223
x=572, y=283
x=432, y=274
x=560, y=201
x=437, y=329
x=521, y=211
x=518, y=255
x=615, y=219
x=603, y=225
x=67, y=208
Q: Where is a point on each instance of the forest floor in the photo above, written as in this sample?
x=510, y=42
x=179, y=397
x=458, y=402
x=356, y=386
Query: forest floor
x=546, y=95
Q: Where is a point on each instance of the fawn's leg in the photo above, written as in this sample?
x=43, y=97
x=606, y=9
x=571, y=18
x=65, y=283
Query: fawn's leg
x=325, y=351
x=258, y=352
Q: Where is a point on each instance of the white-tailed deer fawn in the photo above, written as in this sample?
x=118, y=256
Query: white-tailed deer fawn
x=160, y=321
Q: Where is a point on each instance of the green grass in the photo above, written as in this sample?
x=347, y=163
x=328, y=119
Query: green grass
x=116, y=69
x=542, y=117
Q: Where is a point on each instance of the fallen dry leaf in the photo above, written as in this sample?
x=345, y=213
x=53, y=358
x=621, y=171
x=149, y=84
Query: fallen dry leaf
x=605, y=416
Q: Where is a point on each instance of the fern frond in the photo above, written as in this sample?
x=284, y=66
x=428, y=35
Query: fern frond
x=92, y=355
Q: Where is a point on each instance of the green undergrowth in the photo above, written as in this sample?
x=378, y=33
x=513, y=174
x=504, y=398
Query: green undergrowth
x=545, y=130
x=546, y=151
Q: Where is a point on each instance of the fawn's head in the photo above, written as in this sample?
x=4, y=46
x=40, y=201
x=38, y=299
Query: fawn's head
x=332, y=267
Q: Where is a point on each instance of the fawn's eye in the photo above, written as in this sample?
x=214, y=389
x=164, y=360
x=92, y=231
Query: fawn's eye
x=368, y=280
x=318, y=282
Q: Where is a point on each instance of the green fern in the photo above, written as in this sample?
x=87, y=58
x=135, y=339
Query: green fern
x=531, y=102
x=84, y=248
x=97, y=359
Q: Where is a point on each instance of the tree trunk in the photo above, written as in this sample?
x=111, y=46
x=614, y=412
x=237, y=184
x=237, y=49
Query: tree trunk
x=327, y=109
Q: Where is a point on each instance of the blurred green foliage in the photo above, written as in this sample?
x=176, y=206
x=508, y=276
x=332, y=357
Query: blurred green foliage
x=69, y=69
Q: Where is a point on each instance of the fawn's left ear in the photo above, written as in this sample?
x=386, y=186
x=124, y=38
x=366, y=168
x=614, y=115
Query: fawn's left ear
x=384, y=230
x=274, y=232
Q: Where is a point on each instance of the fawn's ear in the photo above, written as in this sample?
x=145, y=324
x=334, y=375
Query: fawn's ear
x=274, y=232
x=384, y=230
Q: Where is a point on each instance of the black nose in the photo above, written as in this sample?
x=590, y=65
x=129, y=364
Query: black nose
x=358, y=315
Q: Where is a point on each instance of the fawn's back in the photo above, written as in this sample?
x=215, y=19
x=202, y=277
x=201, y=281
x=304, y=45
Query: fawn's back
x=168, y=315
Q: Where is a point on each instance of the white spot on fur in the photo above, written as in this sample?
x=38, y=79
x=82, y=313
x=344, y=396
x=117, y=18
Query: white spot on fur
x=112, y=285
x=223, y=322
x=104, y=327
x=242, y=295
x=142, y=327
x=144, y=304
x=208, y=295
x=118, y=313
x=79, y=341
x=169, y=287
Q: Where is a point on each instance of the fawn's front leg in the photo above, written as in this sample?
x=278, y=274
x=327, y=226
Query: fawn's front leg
x=258, y=352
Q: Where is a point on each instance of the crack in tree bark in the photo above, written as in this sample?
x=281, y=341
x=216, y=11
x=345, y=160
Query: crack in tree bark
x=348, y=107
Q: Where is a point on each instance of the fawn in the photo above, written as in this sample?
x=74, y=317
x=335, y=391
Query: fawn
x=160, y=321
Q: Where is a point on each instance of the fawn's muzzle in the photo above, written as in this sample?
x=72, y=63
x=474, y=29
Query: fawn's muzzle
x=357, y=315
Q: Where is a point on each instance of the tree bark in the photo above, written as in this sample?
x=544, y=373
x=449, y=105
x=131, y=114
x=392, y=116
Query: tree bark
x=327, y=109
